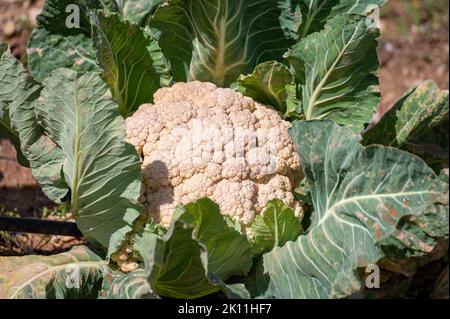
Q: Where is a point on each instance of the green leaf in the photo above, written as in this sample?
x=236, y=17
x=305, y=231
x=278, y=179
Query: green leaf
x=133, y=65
x=134, y=285
x=275, y=227
x=218, y=40
x=41, y=277
x=196, y=255
x=100, y=169
x=54, y=45
x=417, y=123
x=12, y=85
x=417, y=113
x=293, y=105
x=417, y=235
x=267, y=84
x=316, y=13
x=229, y=252
x=441, y=287
x=236, y=291
x=337, y=70
x=359, y=196
x=138, y=11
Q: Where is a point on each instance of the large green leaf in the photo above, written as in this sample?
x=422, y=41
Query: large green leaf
x=359, y=196
x=100, y=169
x=337, y=70
x=196, y=255
x=419, y=111
x=5, y=128
x=132, y=62
x=275, y=227
x=217, y=40
x=73, y=274
x=137, y=11
x=12, y=85
x=54, y=45
x=268, y=84
x=316, y=13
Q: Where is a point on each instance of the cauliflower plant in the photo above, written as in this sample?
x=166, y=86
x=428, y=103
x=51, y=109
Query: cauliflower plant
x=198, y=140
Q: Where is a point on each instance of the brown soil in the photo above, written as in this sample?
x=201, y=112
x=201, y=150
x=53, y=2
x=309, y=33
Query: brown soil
x=18, y=190
x=18, y=244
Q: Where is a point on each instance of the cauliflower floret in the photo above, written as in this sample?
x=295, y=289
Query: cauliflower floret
x=198, y=140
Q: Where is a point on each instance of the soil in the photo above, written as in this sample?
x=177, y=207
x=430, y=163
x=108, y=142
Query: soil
x=412, y=53
x=407, y=56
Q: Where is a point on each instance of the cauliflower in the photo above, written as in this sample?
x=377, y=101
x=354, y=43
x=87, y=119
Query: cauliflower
x=198, y=140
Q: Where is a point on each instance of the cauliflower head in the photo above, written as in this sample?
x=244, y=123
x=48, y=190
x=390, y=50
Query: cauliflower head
x=198, y=140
